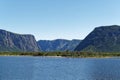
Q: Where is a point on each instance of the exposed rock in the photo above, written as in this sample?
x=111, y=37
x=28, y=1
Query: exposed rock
x=102, y=39
x=15, y=42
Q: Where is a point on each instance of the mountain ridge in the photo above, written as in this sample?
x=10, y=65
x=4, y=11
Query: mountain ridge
x=58, y=44
x=102, y=39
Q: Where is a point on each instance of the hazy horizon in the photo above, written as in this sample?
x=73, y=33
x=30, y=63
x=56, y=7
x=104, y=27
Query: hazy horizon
x=57, y=19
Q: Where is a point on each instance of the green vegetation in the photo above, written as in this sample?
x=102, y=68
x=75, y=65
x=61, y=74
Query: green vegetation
x=61, y=54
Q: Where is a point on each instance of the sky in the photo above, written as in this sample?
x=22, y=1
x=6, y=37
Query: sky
x=53, y=19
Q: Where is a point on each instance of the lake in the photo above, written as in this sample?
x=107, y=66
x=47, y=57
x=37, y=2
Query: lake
x=53, y=68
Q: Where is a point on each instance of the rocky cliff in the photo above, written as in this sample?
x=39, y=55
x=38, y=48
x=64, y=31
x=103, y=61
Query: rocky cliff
x=16, y=42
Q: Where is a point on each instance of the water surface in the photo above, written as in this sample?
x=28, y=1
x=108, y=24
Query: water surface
x=49, y=68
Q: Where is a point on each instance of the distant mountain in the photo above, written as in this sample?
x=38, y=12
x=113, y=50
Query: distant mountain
x=58, y=45
x=102, y=39
x=15, y=42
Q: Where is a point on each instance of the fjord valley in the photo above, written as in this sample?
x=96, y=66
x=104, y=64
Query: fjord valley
x=59, y=39
x=103, y=41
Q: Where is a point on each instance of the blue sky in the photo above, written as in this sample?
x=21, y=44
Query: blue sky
x=52, y=19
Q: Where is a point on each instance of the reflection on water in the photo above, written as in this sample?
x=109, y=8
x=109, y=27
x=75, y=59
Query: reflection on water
x=46, y=68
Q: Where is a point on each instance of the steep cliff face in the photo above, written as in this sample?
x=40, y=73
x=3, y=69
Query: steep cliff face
x=58, y=45
x=102, y=39
x=15, y=42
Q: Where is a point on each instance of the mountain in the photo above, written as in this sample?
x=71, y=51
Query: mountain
x=58, y=45
x=102, y=39
x=15, y=42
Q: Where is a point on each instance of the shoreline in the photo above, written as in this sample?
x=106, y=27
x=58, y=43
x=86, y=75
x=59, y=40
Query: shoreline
x=63, y=56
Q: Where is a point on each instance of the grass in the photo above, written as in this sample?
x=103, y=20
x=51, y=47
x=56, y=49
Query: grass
x=62, y=54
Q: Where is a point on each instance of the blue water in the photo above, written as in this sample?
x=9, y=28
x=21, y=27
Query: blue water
x=46, y=68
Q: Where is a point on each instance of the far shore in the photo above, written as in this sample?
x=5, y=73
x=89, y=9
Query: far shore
x=62, y=56
x=65, y=54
